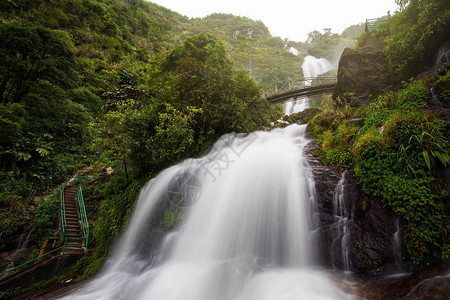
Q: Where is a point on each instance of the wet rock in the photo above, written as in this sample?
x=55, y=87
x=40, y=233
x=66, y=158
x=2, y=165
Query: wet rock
x=371, y=226
x=326, y=179
x=430, y=283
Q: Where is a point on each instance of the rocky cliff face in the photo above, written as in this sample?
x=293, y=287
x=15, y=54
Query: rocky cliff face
x=363, y=72
x=362, y=239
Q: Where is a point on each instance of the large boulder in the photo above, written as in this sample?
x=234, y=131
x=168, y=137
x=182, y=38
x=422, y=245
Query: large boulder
x=363, y=72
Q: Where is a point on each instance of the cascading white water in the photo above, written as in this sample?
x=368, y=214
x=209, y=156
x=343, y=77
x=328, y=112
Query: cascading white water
x=396, y=247
x=245, y=232
x=341, y=220
x=312, y=67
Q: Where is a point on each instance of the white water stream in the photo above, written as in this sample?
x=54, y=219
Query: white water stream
x=312, y=67
x=245, y=232
x=341, y=222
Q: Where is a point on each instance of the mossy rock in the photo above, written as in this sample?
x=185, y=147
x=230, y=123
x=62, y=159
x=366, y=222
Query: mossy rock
x=303, y=117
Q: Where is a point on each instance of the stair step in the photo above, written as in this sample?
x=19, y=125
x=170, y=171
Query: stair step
x=74, y=228
x=73, y=234
x=70, y=249
x=73, y=225
x=71, y=243
x=73, y=222
x=74, y=246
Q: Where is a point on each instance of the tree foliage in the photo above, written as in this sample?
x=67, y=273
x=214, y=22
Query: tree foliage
x=29, y=54
x=413, y=35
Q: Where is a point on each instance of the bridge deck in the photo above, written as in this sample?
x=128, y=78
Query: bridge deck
x=283, y=91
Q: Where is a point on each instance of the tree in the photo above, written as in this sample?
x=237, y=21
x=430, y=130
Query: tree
x=28, y=54
x=314, y=36
x=202, y=76
x=414, y=35
x=402, y=4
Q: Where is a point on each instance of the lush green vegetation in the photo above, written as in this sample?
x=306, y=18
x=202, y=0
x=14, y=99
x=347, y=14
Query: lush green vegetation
x=251, y=47
x=399, y=152
x=130, y=85
x=413, y=36
x=397, y=148
x=112, y=83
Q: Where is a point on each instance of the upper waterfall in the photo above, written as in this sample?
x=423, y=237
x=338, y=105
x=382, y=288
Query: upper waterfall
x=312, y=67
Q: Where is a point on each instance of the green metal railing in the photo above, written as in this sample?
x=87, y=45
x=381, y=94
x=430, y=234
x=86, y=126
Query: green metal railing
x=301, y=83
x=83, y=217
x=66, y=241
x=62, y=215
x=372, y=24
x=24, y=260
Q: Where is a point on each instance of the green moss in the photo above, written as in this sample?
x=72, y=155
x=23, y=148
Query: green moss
x=302, y=117
x=171, y=217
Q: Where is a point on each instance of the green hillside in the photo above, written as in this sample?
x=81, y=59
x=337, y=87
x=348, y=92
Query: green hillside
x=251, y=47
x=82, y=80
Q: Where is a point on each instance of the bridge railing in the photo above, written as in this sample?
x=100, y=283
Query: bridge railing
x=372, y=24
x=302, y=83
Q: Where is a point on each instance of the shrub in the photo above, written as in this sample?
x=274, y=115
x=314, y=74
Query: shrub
x=45, y=218
x=396, y=153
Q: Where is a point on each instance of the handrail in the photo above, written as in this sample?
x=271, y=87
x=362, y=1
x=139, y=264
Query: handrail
x=29, y=261
x=83, y=217
x=372, y=24
x=302, y=83
x=62, y=214
x=63, y=227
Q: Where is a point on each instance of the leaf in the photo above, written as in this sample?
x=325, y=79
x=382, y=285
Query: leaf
x=426, y=157
x=42, y=151
x=443, y=157
x=23, y=156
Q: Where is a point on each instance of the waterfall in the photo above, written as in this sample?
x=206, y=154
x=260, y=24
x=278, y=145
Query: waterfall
x=312, y=67
x=24, y=240
x=396, y=247
x=443, y=55
x=341, y=242
x=245, y=233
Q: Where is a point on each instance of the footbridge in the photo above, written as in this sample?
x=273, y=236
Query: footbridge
x=307, y=86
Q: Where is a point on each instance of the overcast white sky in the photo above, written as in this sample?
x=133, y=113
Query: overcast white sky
x=292, y=19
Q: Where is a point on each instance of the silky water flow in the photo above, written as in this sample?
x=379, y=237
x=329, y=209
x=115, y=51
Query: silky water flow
x=245, y=232
x=312, y=67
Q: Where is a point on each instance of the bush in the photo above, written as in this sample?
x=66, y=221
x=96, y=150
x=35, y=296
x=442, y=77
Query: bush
x=114, y=212
x=397, y=153
x=45, y=218
x=442, y=88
